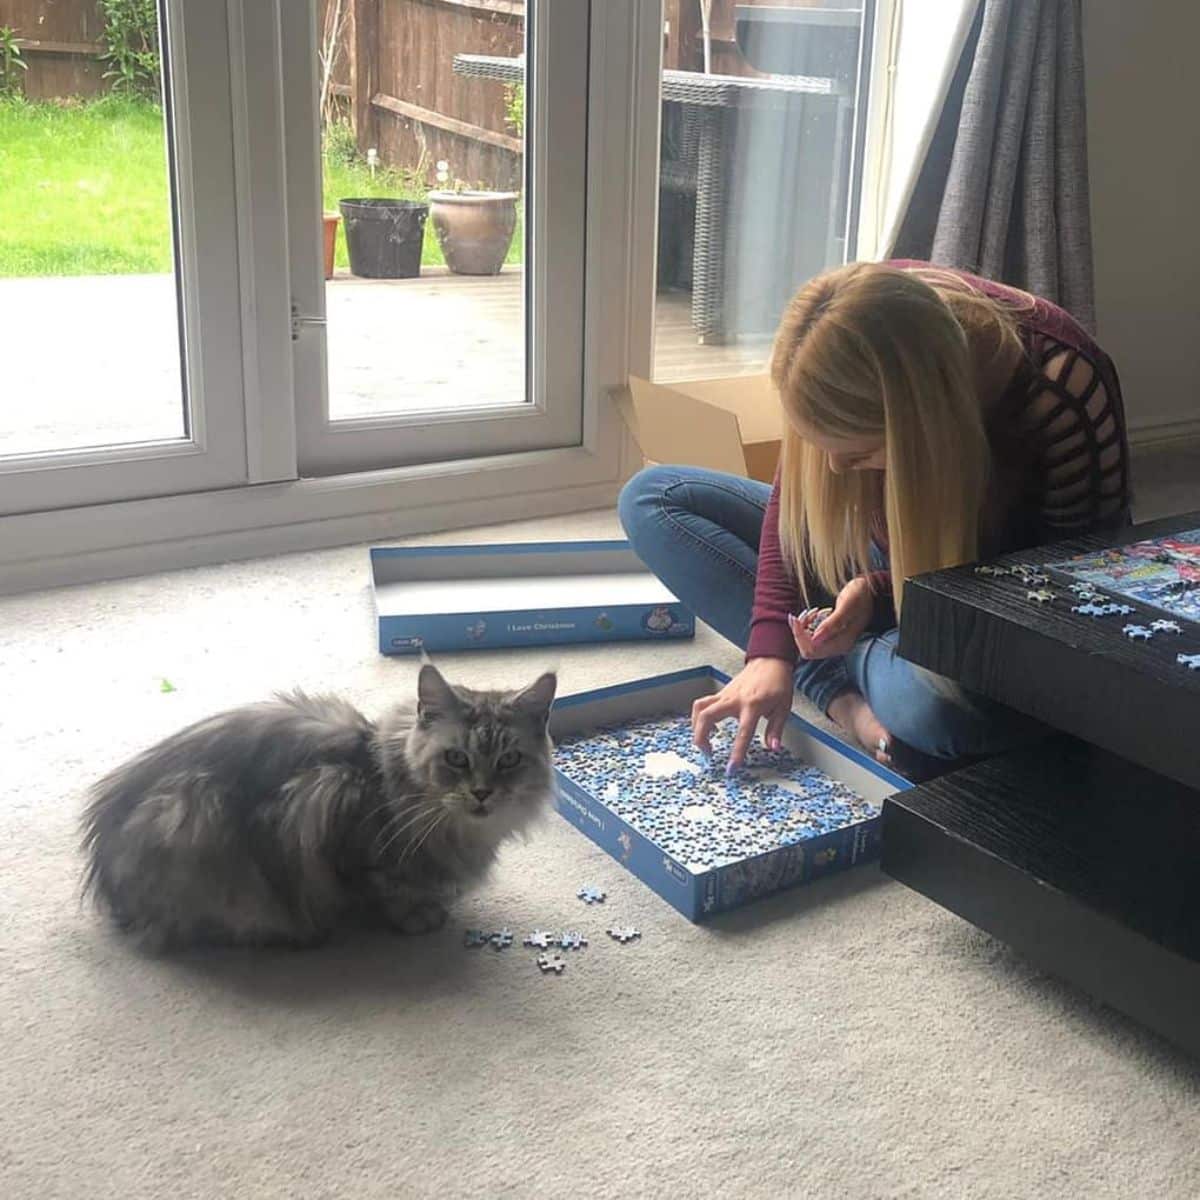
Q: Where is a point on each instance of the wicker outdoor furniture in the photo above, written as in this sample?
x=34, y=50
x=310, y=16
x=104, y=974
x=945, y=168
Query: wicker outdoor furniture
x=710, y=108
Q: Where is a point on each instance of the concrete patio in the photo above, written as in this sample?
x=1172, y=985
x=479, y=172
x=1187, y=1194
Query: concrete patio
x=95, y=360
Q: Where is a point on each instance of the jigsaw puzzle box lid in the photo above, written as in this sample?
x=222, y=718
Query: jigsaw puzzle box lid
x=733, y=425
x=524, y=594
x=696, y=890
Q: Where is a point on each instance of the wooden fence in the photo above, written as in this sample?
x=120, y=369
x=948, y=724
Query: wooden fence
x=395, y=69
x=60, y=41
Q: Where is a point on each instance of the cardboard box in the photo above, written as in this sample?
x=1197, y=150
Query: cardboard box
x=526, y=594
x=701, y=892
x=733, y=425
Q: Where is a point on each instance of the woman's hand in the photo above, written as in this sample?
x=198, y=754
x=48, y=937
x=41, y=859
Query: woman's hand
x=763, y=688
x=840, y=629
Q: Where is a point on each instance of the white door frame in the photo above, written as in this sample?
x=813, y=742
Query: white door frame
x=197, y=66
x=546, y=411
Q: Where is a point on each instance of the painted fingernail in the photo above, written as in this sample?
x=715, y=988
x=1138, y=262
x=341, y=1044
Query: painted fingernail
x=775, y=744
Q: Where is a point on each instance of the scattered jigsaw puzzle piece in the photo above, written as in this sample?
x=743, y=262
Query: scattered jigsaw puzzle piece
x=552, y=962
x=993, y=570
x=1116, y=609
x=1191, y=661
x=572, y=939
x=624, y=933
x=1137, y=633
x=1166, y=627
x=476, y=937
x=502, y=939
x=541, y=939
x=591, y=895
x=1040, y=596
x=1090, y=609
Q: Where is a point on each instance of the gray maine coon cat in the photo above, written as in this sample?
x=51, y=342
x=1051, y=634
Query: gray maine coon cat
x=270, y=823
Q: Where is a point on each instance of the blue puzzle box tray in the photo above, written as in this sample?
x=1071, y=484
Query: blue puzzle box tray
x=630, y=779
x=525, y=594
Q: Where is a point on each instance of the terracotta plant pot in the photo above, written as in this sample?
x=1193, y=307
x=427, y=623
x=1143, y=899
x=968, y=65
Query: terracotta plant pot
x=331, y=222
x=474, y=229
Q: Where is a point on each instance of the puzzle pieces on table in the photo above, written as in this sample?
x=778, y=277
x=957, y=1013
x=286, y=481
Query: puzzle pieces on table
x=572, y=939
x=1137, y=633
x=477, y=937
x=541, y=939
x=1162, y=573
x=1191, y=661
x=993, y=570
x=1040, y=596
x=501, y=939
x=1083, y=589
x=1166, y=626
x=551, y=962
x=624, y=933
x=1092, y=608
x=1035, y=579
x=591, y=895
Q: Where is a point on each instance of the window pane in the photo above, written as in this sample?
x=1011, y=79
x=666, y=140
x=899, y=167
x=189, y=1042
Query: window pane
x=423, y=185
x=756, y=183
x=88, y=289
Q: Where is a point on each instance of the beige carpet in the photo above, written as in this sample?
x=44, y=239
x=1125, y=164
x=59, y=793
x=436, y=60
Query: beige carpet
x=848, y=1040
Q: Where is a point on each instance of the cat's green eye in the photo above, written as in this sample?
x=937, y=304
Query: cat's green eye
x=508, y=760
x=457, y=759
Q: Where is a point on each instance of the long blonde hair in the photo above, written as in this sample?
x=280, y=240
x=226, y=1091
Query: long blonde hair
x=872, y=351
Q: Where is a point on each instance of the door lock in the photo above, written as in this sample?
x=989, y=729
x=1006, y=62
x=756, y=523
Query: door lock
x=299, y=320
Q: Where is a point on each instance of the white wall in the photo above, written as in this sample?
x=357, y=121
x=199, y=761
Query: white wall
x=1143, y=95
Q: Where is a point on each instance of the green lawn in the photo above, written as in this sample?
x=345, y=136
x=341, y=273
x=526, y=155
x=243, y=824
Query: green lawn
x=83, y=190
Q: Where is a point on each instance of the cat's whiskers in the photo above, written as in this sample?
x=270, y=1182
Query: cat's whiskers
x=404, y=811
x=388, y=803
x=398, y=826
x=399, y=817
x=413, y=846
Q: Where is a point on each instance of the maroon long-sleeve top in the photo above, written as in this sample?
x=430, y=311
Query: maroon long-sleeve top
x=1059, y=466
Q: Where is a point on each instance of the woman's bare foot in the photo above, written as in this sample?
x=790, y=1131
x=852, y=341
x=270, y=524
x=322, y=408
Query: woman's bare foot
x=852, y=712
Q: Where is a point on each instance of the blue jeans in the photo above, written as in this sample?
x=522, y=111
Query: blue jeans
x=698, y=531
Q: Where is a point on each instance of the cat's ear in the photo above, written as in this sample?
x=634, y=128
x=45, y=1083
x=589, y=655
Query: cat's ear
x=537, y=698
x=435, y=697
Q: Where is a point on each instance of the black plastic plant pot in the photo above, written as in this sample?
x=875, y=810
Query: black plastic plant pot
x=384, y=237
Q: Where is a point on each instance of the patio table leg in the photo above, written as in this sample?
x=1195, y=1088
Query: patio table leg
x=712, y=191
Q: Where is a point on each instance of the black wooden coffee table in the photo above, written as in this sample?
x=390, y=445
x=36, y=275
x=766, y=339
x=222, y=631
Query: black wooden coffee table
x=1082, y=851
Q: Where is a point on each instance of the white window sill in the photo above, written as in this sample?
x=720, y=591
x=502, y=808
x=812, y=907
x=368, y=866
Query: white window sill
x=107, y=541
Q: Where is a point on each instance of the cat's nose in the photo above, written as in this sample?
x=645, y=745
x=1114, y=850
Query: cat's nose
x=481, y=794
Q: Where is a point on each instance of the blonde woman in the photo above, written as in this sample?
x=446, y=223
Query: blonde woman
x=931, y=418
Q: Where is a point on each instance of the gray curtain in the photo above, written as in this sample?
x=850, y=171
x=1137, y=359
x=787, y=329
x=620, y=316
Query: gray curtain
x=1004, y=187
